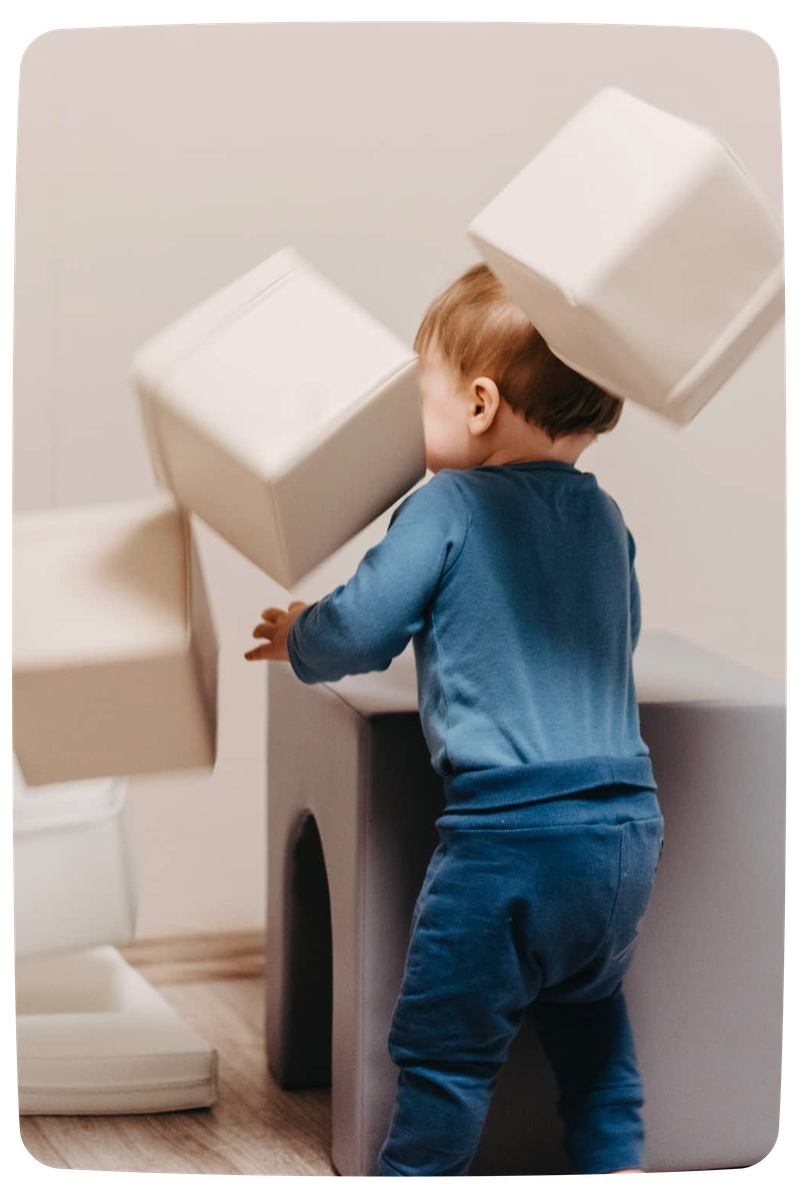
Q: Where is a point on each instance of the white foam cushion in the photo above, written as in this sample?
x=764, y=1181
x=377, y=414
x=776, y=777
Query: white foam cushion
x=283, y=414
x=114, y=650
x=72, y=835
x=93, y=1036
x=644, y=253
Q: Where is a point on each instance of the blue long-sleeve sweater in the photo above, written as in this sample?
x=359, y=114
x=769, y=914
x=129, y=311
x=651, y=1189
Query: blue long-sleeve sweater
x=517, y=584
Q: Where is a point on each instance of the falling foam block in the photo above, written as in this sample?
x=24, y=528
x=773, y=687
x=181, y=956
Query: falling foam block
x=643, y=252
x=283, y=414
x=114, y=650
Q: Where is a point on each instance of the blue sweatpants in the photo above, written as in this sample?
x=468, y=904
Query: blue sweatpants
x=531, y=909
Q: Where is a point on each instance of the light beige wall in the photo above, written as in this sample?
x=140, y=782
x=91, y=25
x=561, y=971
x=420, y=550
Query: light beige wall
x=157, y=164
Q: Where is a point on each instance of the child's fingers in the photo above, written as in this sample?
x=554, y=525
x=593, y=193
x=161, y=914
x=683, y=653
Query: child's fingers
x=267, y=630
x=266, y=651
x=274, y=619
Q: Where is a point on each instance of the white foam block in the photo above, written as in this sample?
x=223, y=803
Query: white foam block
x=282, y=413
x=114, y=649
x=74, y=836
x=642, y=250
x=93, y=1036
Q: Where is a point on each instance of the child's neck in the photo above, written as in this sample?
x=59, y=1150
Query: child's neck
x=565, y=449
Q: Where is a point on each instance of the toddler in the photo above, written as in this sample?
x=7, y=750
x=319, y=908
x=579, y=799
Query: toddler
x=513, y=572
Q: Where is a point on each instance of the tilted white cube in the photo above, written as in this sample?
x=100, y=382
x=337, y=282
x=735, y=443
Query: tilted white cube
x=283, y=414
x=642, y=250
x=114, y=648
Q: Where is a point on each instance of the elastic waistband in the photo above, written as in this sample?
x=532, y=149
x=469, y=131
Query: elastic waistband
x=474, y=791
x=607, y=805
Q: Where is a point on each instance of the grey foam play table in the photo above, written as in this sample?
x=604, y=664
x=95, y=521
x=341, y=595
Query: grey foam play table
x=352, y=800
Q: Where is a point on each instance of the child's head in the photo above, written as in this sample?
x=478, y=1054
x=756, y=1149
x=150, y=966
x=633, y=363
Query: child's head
x=491, y=387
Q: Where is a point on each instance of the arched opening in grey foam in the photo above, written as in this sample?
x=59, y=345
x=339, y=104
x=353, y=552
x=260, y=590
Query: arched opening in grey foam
x=309, y=949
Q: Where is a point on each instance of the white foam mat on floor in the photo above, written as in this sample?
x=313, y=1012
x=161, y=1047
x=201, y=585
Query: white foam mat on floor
x=93, y=1036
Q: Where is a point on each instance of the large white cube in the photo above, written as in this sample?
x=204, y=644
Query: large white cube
x=283, y=414
x=641, y=249
x=114, y=649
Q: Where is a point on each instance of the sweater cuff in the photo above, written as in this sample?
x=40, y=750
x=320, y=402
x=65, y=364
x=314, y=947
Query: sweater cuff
x=292, y=651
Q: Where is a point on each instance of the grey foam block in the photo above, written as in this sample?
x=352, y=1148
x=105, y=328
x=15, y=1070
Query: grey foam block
x=352, y=801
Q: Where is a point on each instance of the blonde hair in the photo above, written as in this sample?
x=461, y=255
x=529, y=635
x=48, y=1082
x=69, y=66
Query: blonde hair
x=480, y=330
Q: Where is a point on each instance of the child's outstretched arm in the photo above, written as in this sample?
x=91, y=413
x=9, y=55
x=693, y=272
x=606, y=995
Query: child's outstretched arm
x=363, y=624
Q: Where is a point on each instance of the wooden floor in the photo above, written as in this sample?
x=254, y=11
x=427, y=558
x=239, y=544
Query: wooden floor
x=217, y=985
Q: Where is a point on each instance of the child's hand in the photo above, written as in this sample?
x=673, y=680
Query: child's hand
x=276, y=626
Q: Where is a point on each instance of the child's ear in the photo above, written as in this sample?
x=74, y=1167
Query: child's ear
x=485, y=394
